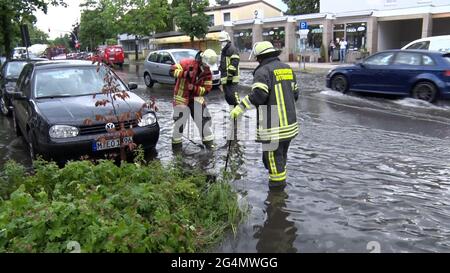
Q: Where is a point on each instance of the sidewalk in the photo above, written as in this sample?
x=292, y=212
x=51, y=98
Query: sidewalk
x=295, y=66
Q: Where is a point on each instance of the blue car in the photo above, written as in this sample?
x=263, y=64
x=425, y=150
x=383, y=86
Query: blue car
x=421, y=74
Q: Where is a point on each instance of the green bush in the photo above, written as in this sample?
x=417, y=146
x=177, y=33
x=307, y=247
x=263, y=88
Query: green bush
x=107, y=208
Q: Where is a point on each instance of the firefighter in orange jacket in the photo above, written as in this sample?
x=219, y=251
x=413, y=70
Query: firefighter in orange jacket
x=194, y=81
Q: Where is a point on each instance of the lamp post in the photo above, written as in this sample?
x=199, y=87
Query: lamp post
x=77, y=43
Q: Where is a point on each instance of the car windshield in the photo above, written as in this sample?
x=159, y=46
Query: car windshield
x=70, y=81
x=179, y=55
x=13, y=69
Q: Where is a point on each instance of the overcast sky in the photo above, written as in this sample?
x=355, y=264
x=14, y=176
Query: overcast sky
x=60, y=20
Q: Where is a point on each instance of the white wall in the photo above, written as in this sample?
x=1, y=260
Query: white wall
x=333, y=6
x=396, y=34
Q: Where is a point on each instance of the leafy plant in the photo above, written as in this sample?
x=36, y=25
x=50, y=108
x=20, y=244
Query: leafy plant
x=110, y=208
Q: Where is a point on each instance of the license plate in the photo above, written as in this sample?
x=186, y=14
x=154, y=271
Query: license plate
x=111, y=58
x=110, y=143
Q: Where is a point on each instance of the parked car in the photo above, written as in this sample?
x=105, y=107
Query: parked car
x=113, y=55
x=53, y=100
x=158, y=63
x=421, y=74
x=9, y=74
x=19, y=52
x=436, y=43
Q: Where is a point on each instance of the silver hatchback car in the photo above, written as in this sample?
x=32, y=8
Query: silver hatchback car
x=158, y=63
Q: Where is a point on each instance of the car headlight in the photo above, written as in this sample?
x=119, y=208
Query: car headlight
x=63, y=131
x=147, y=119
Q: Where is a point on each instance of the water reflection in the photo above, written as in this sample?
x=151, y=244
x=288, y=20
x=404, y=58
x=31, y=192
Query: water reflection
x=278, y=233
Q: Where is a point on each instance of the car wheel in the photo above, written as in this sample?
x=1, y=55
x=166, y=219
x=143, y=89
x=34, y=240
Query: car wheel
x=339, y=83
x=148, y=80
x=31, y=146
x=16, y=126
x=4, y=107
x=424, y=91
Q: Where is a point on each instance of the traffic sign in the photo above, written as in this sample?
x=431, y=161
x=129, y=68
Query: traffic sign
x=303, y=25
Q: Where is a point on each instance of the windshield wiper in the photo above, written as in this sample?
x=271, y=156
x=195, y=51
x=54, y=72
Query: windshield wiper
x=54, y=96
x=65, y=96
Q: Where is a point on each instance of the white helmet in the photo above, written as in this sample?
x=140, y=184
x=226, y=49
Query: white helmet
x=224, y=36
x=209, y=57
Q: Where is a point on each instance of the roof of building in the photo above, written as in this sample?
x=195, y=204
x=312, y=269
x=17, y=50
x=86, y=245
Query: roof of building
x=238, y=5
x=179, y=33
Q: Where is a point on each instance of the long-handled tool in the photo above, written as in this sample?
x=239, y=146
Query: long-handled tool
x=229, y=144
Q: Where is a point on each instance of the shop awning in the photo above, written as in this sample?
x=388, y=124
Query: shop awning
x=185, y=39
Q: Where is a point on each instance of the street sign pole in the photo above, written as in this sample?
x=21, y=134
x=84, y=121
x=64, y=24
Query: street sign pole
x=303, y=31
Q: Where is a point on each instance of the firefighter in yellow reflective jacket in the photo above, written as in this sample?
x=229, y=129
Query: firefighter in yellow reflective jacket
x=229, y=69
x=274, y=93
x=194, y=81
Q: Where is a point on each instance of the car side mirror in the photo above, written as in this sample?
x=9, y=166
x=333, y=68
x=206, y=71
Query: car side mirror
x=18, y=95
x=169, y=62
x=132, y=86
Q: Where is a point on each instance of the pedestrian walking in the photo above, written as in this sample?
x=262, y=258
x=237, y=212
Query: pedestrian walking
x=274, y=93
x=194, y=81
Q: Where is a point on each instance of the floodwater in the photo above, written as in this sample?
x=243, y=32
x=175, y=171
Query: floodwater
x=365, y=174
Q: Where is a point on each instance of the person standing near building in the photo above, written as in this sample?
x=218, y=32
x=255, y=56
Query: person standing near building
x=343, y=50
x=229, y=69
x=331, y=48
x=194, y=81
x=274, y=93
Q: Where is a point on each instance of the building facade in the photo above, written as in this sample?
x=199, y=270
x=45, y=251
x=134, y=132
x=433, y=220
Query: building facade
x=367, y=25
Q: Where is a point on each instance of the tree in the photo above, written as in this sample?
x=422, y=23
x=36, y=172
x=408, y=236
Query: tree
x=98, y=22
x=62, y=41
x=302, y=6
x=190, y=17
x=145, y=17
x=16, y=12
x=38, y=36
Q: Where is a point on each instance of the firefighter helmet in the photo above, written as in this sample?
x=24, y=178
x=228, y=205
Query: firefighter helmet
x=224, y=36
x=209, y=57
x=262, y=48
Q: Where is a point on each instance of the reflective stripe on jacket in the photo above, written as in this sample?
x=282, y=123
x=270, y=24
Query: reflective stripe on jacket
x=229, y=64
x=274, y=93
x=189, y=73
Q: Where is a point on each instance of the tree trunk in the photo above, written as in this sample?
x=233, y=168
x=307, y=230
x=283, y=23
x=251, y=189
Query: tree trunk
x=6, y=29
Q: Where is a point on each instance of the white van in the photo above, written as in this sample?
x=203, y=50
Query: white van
x=436, y=43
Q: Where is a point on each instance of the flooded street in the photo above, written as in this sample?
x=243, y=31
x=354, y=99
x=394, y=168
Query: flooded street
x=364, y=172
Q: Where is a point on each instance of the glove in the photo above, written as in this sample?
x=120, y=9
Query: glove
x=236, y=112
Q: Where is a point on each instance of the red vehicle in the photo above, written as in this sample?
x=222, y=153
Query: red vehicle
x=113, y=55
x=56, y=53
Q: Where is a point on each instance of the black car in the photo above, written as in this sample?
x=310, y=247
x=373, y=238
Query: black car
x=53, y=101
x=9, y=74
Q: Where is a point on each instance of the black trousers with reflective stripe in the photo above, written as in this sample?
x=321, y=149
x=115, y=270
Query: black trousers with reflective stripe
x=275, y=161
x=231, y=93
x=203, y=122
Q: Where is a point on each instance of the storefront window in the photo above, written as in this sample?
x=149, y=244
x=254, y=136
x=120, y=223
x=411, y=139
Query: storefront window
x=338, y=33
x=314, y=38
x=243, y=40
x=356, y=36
x=275, y=35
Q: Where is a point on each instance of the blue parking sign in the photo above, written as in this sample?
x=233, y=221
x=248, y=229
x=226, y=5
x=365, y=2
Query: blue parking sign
x=303, y=25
